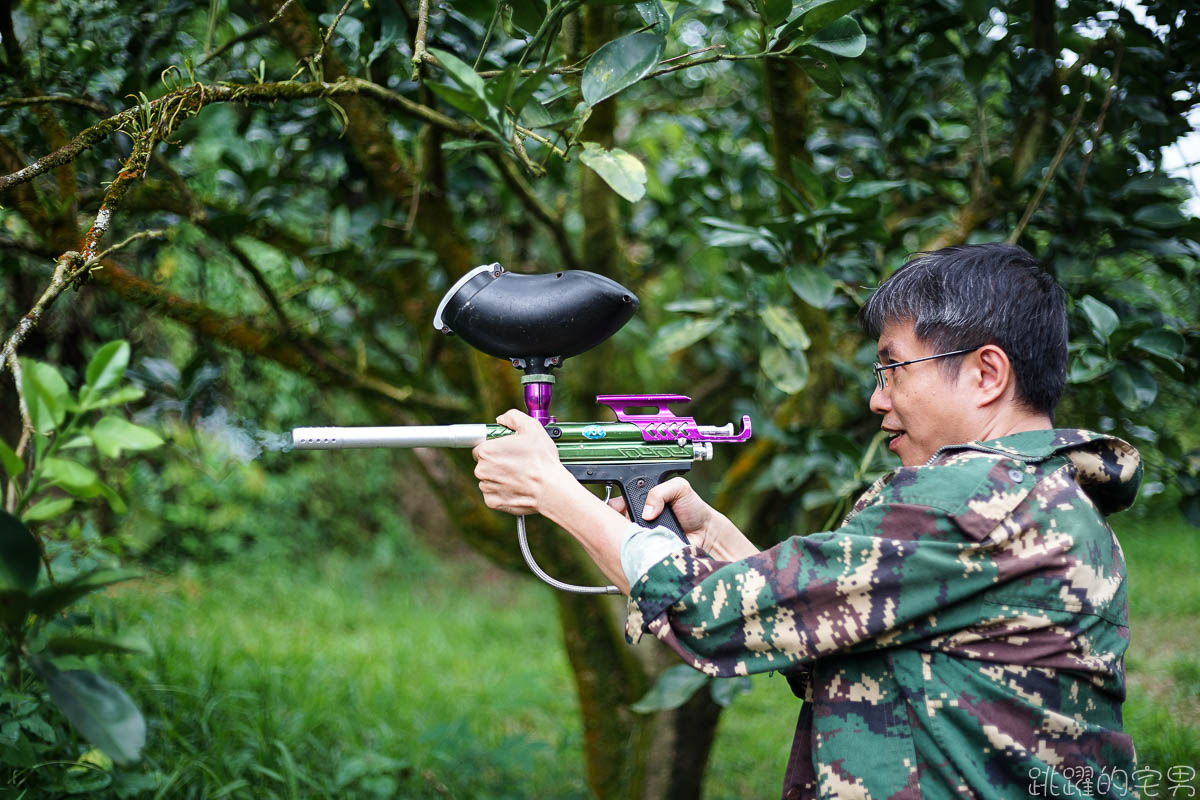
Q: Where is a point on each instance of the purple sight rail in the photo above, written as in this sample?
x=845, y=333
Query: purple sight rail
x=665, y=424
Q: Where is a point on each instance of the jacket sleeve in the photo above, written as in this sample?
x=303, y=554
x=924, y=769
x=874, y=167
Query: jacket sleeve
x=898, y=571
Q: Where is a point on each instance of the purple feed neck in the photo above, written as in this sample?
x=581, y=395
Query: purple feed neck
x=537, y=401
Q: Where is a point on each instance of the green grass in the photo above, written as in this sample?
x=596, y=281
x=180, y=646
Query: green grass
x=339, y=678
x=1162, y=711
x=377, y=677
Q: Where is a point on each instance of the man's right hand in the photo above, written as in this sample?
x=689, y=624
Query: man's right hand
x=705, y=527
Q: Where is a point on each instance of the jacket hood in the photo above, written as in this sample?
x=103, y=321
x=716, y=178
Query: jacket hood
x=1107, y=468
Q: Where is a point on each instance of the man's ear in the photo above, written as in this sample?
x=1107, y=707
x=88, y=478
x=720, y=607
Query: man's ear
x=992, y=374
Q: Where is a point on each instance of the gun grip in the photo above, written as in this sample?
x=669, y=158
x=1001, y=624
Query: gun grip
x=636, y=481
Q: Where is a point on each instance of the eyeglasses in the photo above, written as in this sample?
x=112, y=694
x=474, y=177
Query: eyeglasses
x=881, y=369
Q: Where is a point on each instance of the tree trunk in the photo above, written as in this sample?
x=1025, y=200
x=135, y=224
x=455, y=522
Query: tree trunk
x=628, y=755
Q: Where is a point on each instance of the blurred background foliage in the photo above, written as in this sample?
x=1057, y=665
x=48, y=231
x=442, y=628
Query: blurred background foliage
x=750, y=169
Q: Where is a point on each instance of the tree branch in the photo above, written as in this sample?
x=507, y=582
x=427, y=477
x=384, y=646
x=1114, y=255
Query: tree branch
x=51, y=128
x=63, y=99
x=132, y=170
x=69, y=268
x=261, y=29
x=418, y=56
x=1108, y=96
x=316, y=60
x=1036, y=200
x=264, y=287
x=279, y=13
x=327, y=367
x=540, y=139
x=27, y=199
x=167, y=112
x=535, y=206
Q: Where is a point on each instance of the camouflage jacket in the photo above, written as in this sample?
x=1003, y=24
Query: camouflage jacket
x=961, y=634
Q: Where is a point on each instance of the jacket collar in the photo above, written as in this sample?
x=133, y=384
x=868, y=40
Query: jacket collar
x=1107, y=468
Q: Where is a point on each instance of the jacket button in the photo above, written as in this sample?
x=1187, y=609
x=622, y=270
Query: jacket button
x=1016, y=475
x=793, y=793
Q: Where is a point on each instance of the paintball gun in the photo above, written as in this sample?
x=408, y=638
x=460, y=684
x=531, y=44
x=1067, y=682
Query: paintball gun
x=535, y=322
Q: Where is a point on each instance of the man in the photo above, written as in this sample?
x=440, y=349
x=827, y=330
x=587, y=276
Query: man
x=962, y=633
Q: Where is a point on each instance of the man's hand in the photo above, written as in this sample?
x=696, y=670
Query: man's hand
x=516, y=472
x=704, y=526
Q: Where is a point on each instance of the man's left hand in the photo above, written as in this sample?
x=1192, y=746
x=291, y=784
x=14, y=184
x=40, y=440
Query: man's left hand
x=516, y=472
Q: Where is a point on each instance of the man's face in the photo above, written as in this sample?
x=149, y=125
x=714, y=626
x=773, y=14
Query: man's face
x=921, y=405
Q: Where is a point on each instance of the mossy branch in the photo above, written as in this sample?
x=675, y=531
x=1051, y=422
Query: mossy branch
x=162, y=116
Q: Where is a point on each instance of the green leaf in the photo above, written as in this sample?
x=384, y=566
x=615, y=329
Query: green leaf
x=106, y=369
x=462, y=72
x=528, y=14
x=72, y=476
x=1133, y=385
x=621, y=171
x=824, y=72
x=683, y=333
x=13, y=465
x=1162, y=342
x=1102, y=318
x=731, y=234
x=843, y=37
x=392, y=28
x=863, y=190
x=498, y=90
x=787, y=369
x=819, y=13
x=723, y=690
x=20, y=556
x=1088, y=367
x=39, y=728
x=1160, y=215
x=773, y=12
x=114, y=500
x=620, y=64
x=474, y=107
x=114, y=434
x=88, y=645
x=674, y=687
x=809, y=181
x=49, y=600
x=76, y=441
x=812, y=17
x=811, y=285
x=98, y=708
x=126, y=394
x=47, y=508
x=46, y=394
x=653, y=13
x=784, y=326
x=539, y=115
x=524, y=93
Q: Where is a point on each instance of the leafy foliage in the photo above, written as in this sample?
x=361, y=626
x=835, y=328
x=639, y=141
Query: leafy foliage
x=40, y=623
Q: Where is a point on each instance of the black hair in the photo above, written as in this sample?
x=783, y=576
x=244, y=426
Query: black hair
x=972, y=295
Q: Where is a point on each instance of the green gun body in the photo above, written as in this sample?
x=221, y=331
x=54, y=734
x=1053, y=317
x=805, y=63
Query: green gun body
x=614, y=453
x=636, y=453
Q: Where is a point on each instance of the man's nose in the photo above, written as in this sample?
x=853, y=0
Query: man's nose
x=881, y=400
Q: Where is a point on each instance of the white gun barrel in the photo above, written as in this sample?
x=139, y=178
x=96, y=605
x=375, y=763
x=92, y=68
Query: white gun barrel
x=467, y=435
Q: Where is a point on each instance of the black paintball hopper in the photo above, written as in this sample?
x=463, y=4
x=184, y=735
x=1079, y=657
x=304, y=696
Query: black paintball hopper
x=534, y=321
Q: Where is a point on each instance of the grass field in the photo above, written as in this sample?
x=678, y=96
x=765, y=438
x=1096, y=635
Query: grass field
x=369, y=677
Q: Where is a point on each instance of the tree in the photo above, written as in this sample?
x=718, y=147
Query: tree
x=301, y=183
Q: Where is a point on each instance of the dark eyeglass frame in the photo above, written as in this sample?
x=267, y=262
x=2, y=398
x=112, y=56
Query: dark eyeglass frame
x=881, y=380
